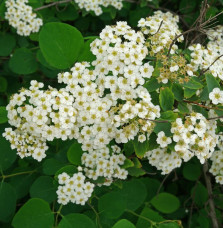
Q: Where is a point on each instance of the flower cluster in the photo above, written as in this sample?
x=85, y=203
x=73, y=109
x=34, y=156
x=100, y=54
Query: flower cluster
x=95, y=5
x=74, y=189
x=21, y=17
x=161, y=29
x=105, y=103
x=217, y=162
x=195, y=137
x=208, y=58
x=103, y=163
x=39, y=116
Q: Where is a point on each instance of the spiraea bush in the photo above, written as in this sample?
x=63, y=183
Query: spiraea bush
x=111, y=113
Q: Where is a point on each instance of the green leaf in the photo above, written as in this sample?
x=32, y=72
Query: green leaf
x=189, y=92
x=69, y=169
x=163, y=127
x=187, y=6
x=140, y=148
x=136, y=172
x=191, y=171
x=70, y=13
x=169, y=115
x=112, y=205
x=86, y=54
x=178, y=92
x=7, y=44
x=74, y=154
x=51, y=165
x=152, y=186
x=152, y=84
x=192, y=84
x=129, y=148
x=123, y=223
x=165, y=202
x=60, y=44
x=200, y=110
x=44, y=188
x=151, y=215
x=76, y=220
x=22, y=183
x=23, y=61
x=183, y=107
x=136, y=162
x=204, y=96
x=128, y=163
x=211, y=12
x=7, y=155
x=35, y=213
x=200, y=194
x=166, y=99
x=2, y=9
x=7, y=201
x=3, y=115
x=211, y=82
x=169, y=225
x=3, y=84
x=42, y=60
x=134, y=192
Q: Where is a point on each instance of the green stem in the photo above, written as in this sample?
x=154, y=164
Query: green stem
x=142, y=217
x=17, y=174
x=97, y=216
x=57, y=215
x=175, y=221
x=90, y=37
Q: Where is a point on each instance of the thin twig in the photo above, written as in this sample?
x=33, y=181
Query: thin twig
x=210, y=194
x=159, y=27
x=161, y=185
x=202, y=106
x=215, y=118
x=158, y=121
x=52, y=4
x=202, y=72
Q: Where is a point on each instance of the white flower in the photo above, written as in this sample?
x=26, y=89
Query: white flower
x=163, y=140
x=142, y=138
x=216, y=96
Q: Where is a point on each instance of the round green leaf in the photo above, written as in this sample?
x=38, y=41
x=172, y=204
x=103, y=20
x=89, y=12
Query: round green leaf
x=22, y=183
x=7, y=201
x=165, y=202
x=200, y=194
x=123, y=224
x=69, y=169
x=134, y=192
x=51, y=165
x=35, y=213
x=60, y=44
x=3, y=114
x=69, y=14
x=7, y=43
x=44, y=188
x=76, y=220
x=86, y=54
x=7, y=155
x=23, y=61
x=112, y=205
x=74, y=154
x=3, y=84
x=191, y=171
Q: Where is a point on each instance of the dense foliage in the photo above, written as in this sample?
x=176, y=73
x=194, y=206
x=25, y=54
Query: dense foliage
x=111, y=113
